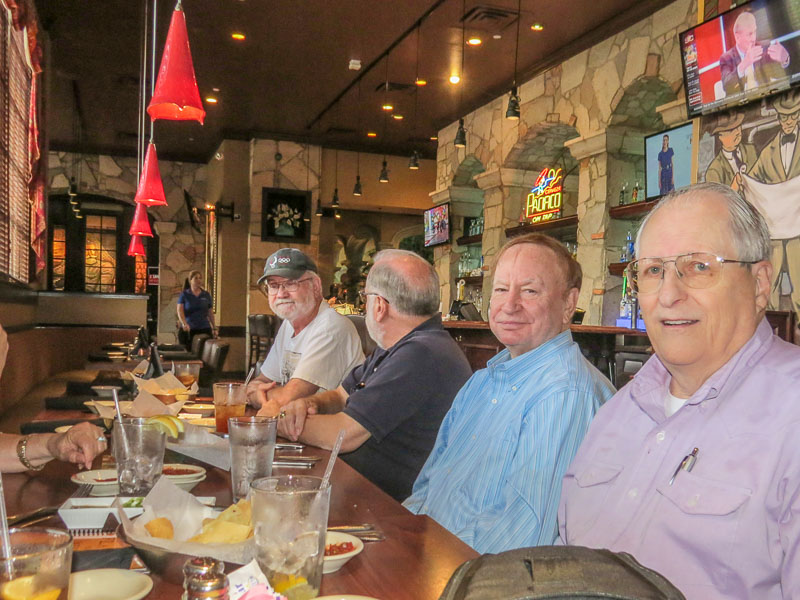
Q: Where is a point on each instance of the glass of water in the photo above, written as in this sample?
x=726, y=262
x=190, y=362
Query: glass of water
x=252, y=450
x=290, y=515
x=139, y=453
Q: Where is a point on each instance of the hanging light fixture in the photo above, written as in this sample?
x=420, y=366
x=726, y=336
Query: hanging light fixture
x=460, y=140
x=413, y=164
x=335, y=201
x=384, y=176
x=151, y=189
x=461, y=135
x=318, y=213
x=512, y=112
x=357, y=191
x=176, y=96
x=337, y=214
x=141, y=224
x=136, y=247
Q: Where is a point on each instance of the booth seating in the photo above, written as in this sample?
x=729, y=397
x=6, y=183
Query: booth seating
x=367, y=343
x=214, y=355
x=198, y=342
x=263, y=328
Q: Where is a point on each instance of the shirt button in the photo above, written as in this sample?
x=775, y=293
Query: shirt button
x=633, y=493
x=693, y=500
x=660, y=436
x=494, y=400
x=474, y=438
x=513, y=388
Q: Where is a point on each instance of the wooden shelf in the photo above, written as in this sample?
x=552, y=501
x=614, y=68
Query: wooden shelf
x=557, y=227
x=617, y=268
x=631, y=211
x=476, y=280
x=466, y=240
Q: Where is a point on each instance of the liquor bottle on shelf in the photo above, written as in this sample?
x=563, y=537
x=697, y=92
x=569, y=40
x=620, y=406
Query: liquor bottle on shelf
x=635, y=193
x=623, y=192
x=629, y=246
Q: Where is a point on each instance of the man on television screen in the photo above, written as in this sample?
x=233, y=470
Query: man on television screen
x=751, y=63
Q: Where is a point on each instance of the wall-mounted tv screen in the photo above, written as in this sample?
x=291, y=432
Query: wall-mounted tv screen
x=437, y=225
x=745, y=53
x=668, y=161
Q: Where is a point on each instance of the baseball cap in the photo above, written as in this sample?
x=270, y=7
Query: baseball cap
x=287, y=262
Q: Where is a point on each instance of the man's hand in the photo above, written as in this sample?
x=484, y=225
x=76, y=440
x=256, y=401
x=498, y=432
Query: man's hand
x=291, y=424
x=270, y=408
x=779, y=54
x=257, y=392
x=78, y=445
x=752, y=55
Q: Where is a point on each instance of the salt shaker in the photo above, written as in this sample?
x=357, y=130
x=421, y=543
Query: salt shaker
x=204, y=579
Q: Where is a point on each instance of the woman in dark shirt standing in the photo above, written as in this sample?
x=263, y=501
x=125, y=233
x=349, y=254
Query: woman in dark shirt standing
x=194, y=310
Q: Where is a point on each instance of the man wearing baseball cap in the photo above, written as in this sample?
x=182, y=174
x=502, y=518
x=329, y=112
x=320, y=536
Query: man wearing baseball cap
x=315, y=346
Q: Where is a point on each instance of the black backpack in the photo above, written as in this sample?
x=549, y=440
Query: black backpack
x=547, y=572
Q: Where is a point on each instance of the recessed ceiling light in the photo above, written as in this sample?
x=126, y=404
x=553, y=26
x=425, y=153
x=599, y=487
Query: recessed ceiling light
x=387, y=107
x=454, y=79
x=211, y=100
x=397, y=117
x=474, y=41
x=237, y=36
x=434, y=138
x=420, y=81
x=497, y=36
x=372, y=134
x=214, y=89
x=537, y=27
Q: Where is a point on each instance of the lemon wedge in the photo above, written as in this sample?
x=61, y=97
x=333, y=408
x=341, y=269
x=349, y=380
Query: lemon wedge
x=24, y=588
x=171, y=426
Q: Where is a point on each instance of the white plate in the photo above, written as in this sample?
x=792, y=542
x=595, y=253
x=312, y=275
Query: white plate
x=63, y=429
x=110, y=488
x=109, y=584
x=344, y=597
x=204, y=410
x=124, y=405
x=331, y=564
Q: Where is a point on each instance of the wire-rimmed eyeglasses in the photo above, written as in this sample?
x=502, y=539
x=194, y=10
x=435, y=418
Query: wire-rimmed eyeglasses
x=697, y=270
x=363, y=295
x=290, y=285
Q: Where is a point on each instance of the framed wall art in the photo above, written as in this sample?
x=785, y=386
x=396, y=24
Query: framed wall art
x=285, y=215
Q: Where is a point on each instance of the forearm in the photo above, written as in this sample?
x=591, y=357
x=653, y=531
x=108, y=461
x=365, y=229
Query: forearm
x=181, y=315
x=294, y=388
x=37, y=451
x=322, y=430
x=329, y=402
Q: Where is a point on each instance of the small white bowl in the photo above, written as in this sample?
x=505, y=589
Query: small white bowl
x=331, y=564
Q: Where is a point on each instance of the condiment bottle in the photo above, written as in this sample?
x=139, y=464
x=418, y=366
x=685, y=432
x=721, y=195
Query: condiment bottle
x=204, y=578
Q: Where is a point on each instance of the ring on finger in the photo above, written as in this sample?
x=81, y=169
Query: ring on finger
x=282, y=414
x=102, y=438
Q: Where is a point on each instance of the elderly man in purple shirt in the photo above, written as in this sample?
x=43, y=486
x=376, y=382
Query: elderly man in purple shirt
x=694, y=466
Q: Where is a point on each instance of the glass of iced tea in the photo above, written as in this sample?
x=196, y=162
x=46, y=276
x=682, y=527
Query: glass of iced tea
x=230, y=400
x=187, y=373
x=39, y=566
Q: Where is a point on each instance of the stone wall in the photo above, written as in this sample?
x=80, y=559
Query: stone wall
x=598, y=105
x=181, y=247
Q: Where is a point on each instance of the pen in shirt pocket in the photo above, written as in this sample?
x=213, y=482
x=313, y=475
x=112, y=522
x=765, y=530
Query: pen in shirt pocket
x=687, y=464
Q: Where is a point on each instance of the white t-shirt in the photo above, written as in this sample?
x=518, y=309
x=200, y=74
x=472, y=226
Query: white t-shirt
x=324, y=352
x=672, y=404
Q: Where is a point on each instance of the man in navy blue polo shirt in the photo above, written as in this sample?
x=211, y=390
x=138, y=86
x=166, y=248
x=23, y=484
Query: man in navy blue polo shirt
x=391, y=406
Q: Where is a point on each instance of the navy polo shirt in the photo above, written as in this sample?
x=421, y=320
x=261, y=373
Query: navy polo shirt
x=400, y=396
x=196, y=308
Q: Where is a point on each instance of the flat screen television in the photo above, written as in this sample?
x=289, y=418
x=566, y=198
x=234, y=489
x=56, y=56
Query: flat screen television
x=668, y=161
x=437, y=225
x=745, y=53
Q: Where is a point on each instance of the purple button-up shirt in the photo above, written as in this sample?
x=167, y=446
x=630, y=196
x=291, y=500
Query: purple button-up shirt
x=730, y=527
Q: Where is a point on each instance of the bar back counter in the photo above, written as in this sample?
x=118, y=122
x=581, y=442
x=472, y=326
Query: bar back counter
x=616, y=351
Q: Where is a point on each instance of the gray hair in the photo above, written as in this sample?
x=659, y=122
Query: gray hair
x=413, y=292
x=749, y=230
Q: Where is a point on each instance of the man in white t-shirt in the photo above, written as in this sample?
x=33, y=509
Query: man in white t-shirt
x=315, y=346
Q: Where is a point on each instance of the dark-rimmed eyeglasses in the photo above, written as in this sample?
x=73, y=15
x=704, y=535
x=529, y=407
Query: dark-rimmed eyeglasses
x=698, y=270
x=273, y=287
x=363, y=295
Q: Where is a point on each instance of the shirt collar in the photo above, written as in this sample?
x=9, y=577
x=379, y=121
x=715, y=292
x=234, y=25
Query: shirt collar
x=522, y=364
x=649, y=384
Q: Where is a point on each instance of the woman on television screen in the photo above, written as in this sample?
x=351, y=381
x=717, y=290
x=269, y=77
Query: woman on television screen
x=666, y=181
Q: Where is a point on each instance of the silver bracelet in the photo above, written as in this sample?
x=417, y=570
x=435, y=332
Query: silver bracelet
x=22, y=449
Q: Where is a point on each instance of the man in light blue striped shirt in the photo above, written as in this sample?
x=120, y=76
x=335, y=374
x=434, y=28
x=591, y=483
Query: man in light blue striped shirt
x=494, y=475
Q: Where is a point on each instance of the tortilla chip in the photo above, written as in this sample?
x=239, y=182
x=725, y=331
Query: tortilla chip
x=160, y=528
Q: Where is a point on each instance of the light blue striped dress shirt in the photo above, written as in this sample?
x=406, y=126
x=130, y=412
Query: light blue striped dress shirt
x=494, y=475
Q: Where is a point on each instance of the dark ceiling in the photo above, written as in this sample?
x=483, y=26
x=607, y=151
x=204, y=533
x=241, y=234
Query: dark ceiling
x=283, y=80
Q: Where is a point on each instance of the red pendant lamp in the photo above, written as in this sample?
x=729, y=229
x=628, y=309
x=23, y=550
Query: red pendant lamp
x=136, y=247
x=176, y=96
x=141, y=224
x=151, y=189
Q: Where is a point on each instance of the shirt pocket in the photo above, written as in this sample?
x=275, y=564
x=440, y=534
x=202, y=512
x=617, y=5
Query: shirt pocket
x=585, y=494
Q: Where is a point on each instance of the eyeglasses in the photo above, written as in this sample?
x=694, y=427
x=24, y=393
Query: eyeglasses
x=698, y=270
x=363, y=295
x=290, y=285
x=786, y=117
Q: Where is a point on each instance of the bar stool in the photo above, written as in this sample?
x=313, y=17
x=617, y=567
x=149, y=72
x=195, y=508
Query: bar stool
x=263, y=328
